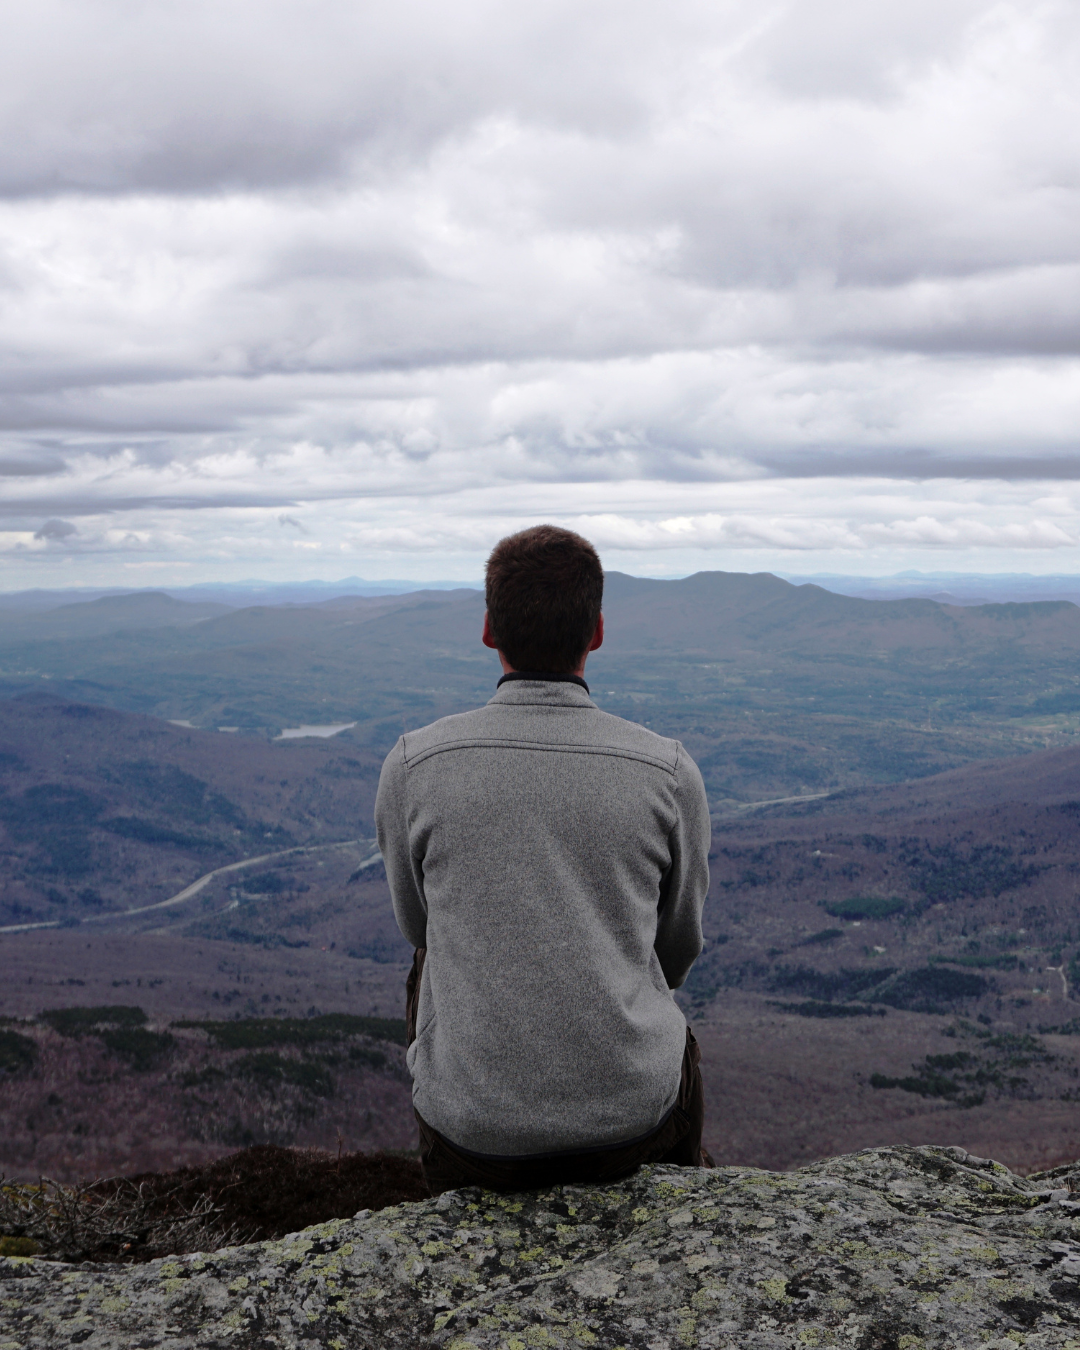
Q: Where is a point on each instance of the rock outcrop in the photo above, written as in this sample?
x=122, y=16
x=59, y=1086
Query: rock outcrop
x=888, y=1249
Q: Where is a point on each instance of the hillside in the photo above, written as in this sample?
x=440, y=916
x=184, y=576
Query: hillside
x=889, y=964
x=717, y=612
x=124, y=1093
x=974, y=870
x=777, y=689
x=104, y=810
x=369, y=660
x=898, y=964
x=105, y=615
x=885, y=960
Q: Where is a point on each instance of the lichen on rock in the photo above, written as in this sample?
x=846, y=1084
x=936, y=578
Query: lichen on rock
x=887, y=1249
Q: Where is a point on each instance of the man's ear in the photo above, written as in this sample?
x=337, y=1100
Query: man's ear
x=598, y=636
x=486, y=636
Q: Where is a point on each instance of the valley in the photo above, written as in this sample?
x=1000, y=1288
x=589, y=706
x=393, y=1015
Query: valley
x=892, y=931
x=104, y=811
x=776, y=688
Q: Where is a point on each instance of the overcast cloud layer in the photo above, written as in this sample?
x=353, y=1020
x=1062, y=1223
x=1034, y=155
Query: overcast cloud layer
x=308, y=289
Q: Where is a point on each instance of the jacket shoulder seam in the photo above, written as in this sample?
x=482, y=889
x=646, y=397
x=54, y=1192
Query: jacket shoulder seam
x=545, y=747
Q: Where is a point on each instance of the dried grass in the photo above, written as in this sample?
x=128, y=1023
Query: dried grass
x=126, y=1220
x=257, y=1193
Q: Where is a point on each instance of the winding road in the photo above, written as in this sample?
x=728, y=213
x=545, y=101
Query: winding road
x=201, y=883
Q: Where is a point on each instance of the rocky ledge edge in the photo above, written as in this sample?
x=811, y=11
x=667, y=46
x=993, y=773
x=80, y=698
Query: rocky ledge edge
x=887, y=1249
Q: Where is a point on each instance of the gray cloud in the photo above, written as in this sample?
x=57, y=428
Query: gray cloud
x=275, y=93
x=276, y=264
x=920, y=464
x=56, y=529
x=27, y=465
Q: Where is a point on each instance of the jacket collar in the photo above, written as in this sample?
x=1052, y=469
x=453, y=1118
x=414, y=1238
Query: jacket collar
x=553, y=693
x=544, y=675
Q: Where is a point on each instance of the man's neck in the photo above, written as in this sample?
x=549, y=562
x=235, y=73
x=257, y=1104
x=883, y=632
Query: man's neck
x=508, y=669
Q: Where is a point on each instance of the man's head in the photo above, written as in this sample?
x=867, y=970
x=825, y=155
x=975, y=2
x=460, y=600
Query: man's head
x=544, y=588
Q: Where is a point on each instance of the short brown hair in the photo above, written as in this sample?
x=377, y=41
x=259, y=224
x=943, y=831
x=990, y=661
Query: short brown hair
x=544, y=587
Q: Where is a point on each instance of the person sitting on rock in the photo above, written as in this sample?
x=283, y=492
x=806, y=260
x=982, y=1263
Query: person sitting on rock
x=549, y=862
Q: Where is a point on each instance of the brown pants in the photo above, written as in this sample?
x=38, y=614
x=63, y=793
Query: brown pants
x=677, y=1139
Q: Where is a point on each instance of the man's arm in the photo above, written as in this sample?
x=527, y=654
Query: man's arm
x=392, y=828
x=683, y=889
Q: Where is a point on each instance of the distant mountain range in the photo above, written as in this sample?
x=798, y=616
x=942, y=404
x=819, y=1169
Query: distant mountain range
x=235, y=594
x=962, y=588
x=956, y=588
x=778, y=689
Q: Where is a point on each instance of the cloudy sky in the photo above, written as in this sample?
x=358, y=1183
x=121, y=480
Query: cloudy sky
x=313, y=288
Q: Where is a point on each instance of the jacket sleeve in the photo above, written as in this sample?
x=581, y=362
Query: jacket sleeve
x=392, y=827
x=686, y=882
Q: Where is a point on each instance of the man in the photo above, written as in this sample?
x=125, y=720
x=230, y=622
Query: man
x=549, y=862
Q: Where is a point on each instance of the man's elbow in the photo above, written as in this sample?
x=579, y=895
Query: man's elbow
x=677, y=978
x=413, y=929
x=678, y=965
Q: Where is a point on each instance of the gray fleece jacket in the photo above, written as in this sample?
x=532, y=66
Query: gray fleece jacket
x=553, y=860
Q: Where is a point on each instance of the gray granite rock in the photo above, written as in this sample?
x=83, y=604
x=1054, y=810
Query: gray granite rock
x=888, y=1249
